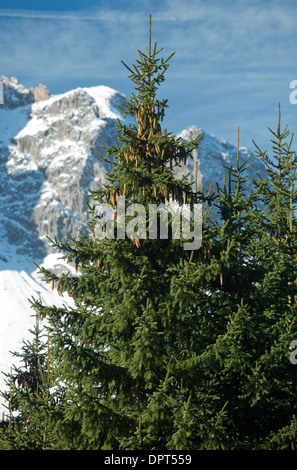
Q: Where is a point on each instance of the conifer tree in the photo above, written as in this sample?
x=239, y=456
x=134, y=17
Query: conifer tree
x=115, y=347
x=31, y=398
x=278, y=288
x=244, y=376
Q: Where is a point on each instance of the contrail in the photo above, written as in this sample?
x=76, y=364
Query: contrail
x=68, y=15
x=60, y=15
x=110, y=16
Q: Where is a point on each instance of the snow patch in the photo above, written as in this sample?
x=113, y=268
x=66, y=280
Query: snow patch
x=17, y=316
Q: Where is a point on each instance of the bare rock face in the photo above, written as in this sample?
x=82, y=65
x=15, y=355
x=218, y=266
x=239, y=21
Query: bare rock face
x=49, y=159
x=40, y=93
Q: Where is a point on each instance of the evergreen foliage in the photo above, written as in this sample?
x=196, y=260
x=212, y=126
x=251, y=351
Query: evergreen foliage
x=168, y=349
x=33, y=398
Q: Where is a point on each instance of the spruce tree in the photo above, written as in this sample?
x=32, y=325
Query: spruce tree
x=245, y=381
x=32, y=398
x=116, y=347
x=278, y=288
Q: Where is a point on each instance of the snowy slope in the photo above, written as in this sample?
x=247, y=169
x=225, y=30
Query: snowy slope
x=17, y=286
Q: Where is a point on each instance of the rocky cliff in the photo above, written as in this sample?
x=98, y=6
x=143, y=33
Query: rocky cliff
x=49, y=158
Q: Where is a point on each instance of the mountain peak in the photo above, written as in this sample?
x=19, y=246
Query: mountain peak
x=16, y=95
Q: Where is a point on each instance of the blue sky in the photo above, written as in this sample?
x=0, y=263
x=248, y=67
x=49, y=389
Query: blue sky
x=233, y=62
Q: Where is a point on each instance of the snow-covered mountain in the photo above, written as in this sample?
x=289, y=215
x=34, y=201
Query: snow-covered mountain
x=49, y=158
